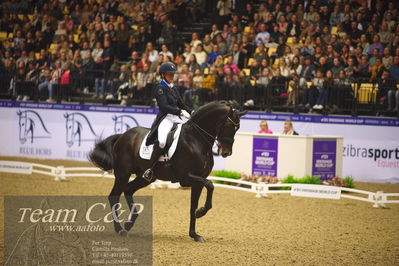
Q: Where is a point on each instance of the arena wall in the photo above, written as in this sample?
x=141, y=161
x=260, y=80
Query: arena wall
x=68, y=131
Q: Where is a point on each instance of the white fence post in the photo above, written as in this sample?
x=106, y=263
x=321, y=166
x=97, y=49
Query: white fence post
x=379, y=197
x=261, y=190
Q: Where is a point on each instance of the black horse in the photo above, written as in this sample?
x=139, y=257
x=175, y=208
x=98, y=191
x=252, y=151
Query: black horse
x=190, y=165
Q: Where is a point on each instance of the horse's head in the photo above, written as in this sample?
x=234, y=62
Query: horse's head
x=69, y=125
x=227, y=131
x=23, y=121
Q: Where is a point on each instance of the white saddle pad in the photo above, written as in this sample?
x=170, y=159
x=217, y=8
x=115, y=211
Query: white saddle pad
x=146, y=151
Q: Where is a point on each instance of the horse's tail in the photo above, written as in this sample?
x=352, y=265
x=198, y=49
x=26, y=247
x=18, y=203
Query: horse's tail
x=102, y=154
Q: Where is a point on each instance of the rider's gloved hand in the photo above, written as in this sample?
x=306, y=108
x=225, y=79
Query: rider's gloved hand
x=185, y=114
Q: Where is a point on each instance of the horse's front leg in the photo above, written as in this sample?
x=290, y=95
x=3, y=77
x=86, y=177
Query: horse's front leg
x=195, y=195
x=209, y=187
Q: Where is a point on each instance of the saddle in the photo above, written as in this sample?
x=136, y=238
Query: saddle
x=170, y=146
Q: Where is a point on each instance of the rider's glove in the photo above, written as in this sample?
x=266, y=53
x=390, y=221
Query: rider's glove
x=185, y=114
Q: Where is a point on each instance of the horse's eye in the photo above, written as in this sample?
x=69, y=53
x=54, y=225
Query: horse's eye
x=70, y=127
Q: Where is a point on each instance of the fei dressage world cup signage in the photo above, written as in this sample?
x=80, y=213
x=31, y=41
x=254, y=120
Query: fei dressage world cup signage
x=324, y=158
x=264, y=157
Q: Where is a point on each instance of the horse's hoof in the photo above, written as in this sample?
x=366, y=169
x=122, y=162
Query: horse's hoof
x=129, y=225
x=199, y=238
x=200, y=212
x=122, y=232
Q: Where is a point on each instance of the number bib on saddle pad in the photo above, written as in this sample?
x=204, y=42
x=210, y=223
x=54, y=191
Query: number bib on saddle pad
x=146, y=151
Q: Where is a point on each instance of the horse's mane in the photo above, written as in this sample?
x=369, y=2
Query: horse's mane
x=208, y=107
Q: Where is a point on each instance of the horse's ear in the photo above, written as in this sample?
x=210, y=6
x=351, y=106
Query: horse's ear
x=19, y=112
x=242, y=113
x=114, y=117
x=66, y=115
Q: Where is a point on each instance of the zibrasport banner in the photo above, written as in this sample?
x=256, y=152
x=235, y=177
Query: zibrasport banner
x=69, y=131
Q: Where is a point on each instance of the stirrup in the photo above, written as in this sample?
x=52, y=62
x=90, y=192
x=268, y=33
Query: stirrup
x=148, y=175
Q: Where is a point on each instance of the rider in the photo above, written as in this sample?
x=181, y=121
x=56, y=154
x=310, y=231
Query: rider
x=171, y=109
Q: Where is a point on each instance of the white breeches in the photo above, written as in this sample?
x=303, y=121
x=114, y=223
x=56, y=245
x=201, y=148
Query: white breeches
x=165, y=126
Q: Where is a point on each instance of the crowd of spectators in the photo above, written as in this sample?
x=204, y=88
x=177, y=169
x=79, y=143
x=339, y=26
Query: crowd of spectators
x=305, y=53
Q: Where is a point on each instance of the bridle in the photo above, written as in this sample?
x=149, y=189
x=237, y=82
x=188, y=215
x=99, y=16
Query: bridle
x=217, y=138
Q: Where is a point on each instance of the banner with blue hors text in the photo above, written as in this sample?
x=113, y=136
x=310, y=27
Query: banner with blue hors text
x=75, y=230
x=264, y=156
x=69, y=131
x=324, y=158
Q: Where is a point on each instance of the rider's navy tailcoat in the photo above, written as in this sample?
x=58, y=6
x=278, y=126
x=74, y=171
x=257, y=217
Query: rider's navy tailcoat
x=169, y=102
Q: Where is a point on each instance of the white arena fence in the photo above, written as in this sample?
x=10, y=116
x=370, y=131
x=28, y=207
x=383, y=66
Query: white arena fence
x=378, y=199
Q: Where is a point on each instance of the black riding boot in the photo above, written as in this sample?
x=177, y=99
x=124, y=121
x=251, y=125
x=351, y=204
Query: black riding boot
x=156, y=153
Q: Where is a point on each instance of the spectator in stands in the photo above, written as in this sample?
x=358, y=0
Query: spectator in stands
x=224, y=12
x=264, y=128
x=195, y=41
x=200, y=55
x=221, y=43
x=165, y=52
x=394, y=69
x=142, y=39
x=151, y=52
x=289, y=128
x=193, y=66
x=44, y=81
x=292, y=91
x=238, y=56
x=215, y=53
x=134, y=59
x=376, y=45
x=263, y=36
x=143, y=61
x=55, y=79
x=218, y=62
x=336, y=68
x=65, y=82
x=230, y=65
x=362, y=70
x=377, y=68
x=208, y=83
x=214, y=32
x=185, y=76
x=387, y=58
x=388, y=91
x=246, y=47
x=187, y=52
x=261, y=53
x=144, y=79
x=119, y=79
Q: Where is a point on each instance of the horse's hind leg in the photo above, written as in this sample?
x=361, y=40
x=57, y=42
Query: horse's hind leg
x=132, y=187
x=120, y=182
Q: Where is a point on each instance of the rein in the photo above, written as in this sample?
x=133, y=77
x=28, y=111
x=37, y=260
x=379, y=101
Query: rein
x=216, y=138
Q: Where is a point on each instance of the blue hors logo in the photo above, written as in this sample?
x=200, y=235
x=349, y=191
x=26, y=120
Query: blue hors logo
x=31, y=126
x=78, y=129
x=123, y=123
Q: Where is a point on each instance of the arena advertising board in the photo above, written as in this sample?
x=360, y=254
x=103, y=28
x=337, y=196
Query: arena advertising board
x=316, y=191
x=324, y=158
x=75, y=230
x=264, y=157
x=69, y=131
x=15, y=167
